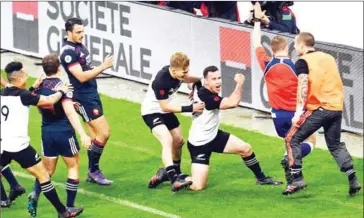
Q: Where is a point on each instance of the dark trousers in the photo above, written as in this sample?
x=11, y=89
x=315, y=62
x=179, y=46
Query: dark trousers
x=309, y=123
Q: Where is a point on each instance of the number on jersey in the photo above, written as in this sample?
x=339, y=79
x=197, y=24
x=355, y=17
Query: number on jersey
x=5, y=112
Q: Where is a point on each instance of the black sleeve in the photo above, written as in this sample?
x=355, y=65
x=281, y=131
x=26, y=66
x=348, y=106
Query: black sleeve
x=212, y=101
x=198, y=85
x=301, y=67
x=29, y=98
x=69, y=58
x=160, y=91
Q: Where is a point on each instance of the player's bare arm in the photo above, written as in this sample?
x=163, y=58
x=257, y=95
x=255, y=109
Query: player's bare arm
x=191, y=79
x=302, y=89
x=257, y=35
x=167, y=107
x=54, y=98
x=84, y=76
x=75, y=122
x=235, y=97
x=4, y=83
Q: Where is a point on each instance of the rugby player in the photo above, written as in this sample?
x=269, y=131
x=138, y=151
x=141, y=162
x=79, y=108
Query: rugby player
x=205, y=136
x=15, y=102
x=281, y=78
x=158, y=114
x=58, y=136
x=76, y=60
x=16, y=189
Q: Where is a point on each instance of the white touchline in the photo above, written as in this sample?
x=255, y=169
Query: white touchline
x=108, y=198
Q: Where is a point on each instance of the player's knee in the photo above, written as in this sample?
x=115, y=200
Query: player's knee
x=178, y=142
x=105, y=134
x=245, y=150
x=73, y=172
x=197, y=186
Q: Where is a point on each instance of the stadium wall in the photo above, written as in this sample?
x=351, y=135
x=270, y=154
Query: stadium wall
x=142, y=38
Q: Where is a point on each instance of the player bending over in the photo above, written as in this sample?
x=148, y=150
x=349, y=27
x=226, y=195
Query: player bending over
x=158, y=114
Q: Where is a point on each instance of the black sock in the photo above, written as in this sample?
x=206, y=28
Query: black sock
x=51, y=194
x=94, y=155
x=6, y=172
x=71, y=188
x=177, y=163
x=3, y=197
x=252, y=163
x=172, y=173
x=350, y=173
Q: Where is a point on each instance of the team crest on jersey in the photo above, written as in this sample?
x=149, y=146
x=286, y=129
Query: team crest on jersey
x=68, y=59
x=216, y=98
x=162, y=92
x=96, y=111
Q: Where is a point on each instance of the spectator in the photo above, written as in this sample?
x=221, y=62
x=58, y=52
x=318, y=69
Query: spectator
x=275, y=16
x=184, y=5
x=221, y=9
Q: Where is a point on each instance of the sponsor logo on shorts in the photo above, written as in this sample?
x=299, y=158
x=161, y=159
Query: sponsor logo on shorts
x=201, y=157
x=37, y=157
x=96, y=111
x=156, y=121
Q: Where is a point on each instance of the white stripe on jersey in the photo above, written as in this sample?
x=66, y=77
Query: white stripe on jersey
x=14, y=126
x=204, y=126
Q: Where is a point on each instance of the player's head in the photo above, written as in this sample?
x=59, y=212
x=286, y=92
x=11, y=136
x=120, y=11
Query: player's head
x=179, y=65
x=16, y=74
x=279, y=45
x=75, y=30
x=51, y=65
x=303, y=42
x=212, y=79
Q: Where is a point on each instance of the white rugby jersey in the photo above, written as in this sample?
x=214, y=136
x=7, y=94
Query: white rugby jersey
x=14, y=118
x=205, y=125
x=163, y=86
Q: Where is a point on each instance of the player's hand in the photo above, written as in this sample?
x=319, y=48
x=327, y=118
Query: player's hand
x=258, y=13
x=77, y=106
x=239, y=78
x=108, y=62
x=86, y=141
x=39, y=80
x=296, y=117
x=65, y=88
x=198, y=106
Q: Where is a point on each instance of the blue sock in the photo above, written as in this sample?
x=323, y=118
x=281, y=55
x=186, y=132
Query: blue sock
x=37, y=189
x=9, y=176
x=306, y=148
x=71, y=188
x=94, y=155
x=4, y=197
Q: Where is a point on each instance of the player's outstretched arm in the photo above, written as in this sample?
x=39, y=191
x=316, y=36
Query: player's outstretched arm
x=235, y=97
x=72, y=116
x=302, y=87
x=191, y=79
x=256, y=35
x=195, y=107
x=260, y=52
x=70, y=59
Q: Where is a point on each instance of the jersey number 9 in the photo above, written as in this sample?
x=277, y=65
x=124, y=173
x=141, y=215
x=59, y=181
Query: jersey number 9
x=5, y=111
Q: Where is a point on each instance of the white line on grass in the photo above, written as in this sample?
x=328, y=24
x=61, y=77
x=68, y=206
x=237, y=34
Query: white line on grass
x=108, y=198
